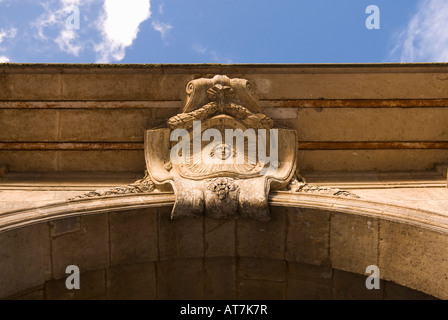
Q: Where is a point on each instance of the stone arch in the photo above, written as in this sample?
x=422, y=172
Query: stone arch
x=315, y=247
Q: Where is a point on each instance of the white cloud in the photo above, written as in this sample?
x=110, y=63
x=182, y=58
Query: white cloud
x=66, y=42
x=4, y=59
x=200, y=49
x=425, y=38
x=213, y=55
x=108, y=30
x=161, y=27
x=119, y=26
x=55, y=17
x=7, y=33
x=47, y=19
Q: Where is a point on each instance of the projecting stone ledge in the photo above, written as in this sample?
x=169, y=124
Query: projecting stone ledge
x=221, y=198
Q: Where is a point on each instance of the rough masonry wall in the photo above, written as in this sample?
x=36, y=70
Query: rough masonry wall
x=300, y=254
x=348, y=117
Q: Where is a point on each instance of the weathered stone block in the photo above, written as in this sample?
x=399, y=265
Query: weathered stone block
x=166, y=113
x=263, y=239
x=104, y=160
x=88, y=248
x=282, y=113
x=351, y=286
x=362, y=160
x=133, y=236
x=353, y=242
x=262, y=269
x=308, y=282
x=180, y=279
x=333, y=84
x=131, y=282
x=179, y=239
x=33, y=295
x=220, y=238
x=261, y=290
x=119, y=85
x=24, y=259
x=29, y=125
x=92, y=284
x=63, y=226
x=30, y=161
x=370, y=124
x=220, y=279
x=31, y=85
x=414, y=257
x=95, y=125
x=110, y=85
x=308, y=236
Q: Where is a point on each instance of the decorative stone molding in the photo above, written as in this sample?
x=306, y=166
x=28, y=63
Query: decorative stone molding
x=144, y=185
x=220, y=178
x=300, y=185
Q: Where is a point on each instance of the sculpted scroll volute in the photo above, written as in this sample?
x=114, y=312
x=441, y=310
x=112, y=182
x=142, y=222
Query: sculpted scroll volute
x=221, y=153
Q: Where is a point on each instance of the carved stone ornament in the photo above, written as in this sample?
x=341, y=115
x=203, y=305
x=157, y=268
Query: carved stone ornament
x=298, y=184
x=144, y=185
x=221, y=154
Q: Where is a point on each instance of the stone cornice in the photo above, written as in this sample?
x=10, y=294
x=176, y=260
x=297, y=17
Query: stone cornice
x=420, y=218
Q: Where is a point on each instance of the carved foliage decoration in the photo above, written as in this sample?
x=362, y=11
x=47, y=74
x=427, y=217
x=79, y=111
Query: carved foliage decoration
x=144, y=185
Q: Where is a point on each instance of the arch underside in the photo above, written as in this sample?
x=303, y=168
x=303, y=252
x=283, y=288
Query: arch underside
x=315, y=247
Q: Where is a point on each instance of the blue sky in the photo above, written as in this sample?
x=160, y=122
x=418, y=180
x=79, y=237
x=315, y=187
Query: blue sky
x=226, y=31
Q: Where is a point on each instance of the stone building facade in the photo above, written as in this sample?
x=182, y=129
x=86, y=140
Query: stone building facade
x=86, y=179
